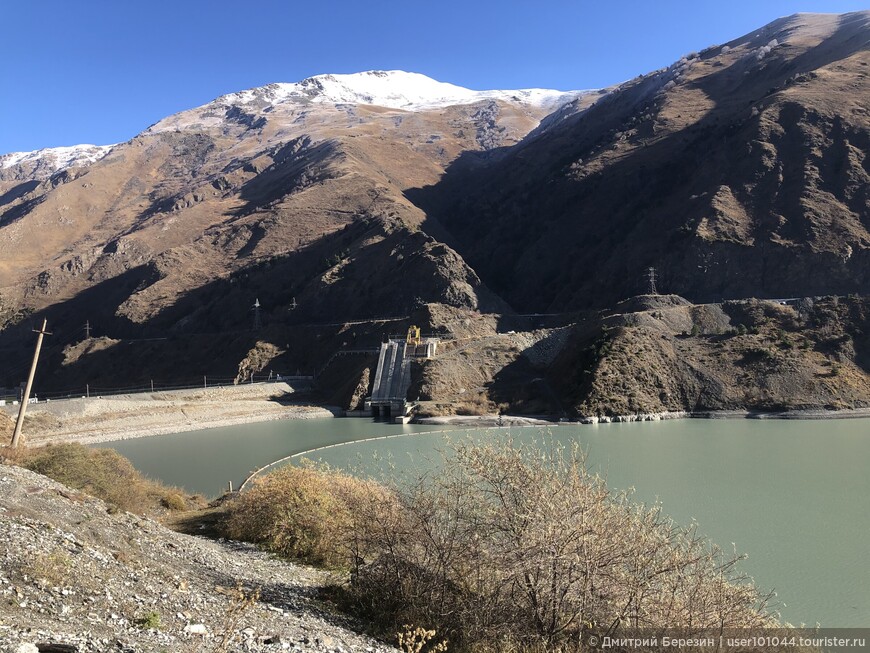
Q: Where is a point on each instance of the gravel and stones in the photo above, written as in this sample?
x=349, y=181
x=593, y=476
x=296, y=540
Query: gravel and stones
x=76, y=577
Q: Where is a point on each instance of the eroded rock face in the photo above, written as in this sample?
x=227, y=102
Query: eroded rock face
x=74, y=575
x=357, y=399
x=257, y=360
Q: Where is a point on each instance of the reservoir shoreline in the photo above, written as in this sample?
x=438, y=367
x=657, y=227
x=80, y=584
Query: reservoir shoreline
x=122, y=417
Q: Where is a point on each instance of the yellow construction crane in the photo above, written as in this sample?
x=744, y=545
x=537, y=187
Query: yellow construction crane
x=414, y=336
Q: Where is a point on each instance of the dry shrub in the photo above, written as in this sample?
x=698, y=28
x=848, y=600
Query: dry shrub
x=511, y=549
x=243, y=601
x=103, y=473
x=7, y=426
x=173, y=501
x=309, y=514
x=53, y=568
x=477, y=405
x=414, y=639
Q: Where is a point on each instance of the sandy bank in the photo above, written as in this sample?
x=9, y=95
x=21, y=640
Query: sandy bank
x=102, y=419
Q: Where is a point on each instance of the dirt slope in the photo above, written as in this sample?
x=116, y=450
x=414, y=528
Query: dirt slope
x=662, y=354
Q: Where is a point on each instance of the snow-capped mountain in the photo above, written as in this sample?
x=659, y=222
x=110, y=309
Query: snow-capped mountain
x=395, y=89
x=391, y=89
x=56, y=158
x=189, y=196
x=286, y=102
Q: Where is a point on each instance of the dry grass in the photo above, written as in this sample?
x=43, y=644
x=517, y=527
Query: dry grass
x=102, y=473
x=7, y=425
x=52, y=568
x=174, y=501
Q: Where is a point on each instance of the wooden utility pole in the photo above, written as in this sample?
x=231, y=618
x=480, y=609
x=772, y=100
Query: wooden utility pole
x=16, y=436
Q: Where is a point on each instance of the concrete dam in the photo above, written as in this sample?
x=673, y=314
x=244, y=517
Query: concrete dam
x=393, y=375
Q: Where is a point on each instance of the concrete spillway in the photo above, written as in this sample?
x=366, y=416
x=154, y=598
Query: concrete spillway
x=392, y=379
x=393, y=376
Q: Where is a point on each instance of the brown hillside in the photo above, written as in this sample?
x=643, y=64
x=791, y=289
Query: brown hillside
x=668, y=356
x=739, y=171
x=181, y=229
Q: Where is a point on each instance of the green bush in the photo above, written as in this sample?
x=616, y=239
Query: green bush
x=148, y=621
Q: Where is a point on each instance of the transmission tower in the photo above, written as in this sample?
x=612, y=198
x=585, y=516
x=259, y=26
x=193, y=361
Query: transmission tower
x=256, y=309
x=651, y=281
x=87, y=330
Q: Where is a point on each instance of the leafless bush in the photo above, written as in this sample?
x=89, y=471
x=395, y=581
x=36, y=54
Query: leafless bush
x=509, y=548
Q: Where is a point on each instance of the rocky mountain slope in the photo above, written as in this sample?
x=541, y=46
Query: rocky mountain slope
x=352, y=206
x=739, y=171
x=278, y=171
x=656, y=354
x=290, y=193
x=78, y=574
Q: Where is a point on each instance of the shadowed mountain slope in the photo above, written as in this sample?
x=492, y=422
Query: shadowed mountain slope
x=739, y=171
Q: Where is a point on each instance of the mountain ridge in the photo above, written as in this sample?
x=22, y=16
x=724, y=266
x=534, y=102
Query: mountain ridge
x=739, y=171
x=750, y=151
x=394, y=89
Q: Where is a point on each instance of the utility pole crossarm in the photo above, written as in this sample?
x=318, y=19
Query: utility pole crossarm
x=16, y=435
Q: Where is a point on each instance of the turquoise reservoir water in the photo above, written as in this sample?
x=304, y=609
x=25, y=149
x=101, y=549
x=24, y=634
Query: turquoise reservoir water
x=794, y=495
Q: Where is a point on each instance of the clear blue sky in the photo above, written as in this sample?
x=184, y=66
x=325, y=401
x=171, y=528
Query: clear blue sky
x=100, y=71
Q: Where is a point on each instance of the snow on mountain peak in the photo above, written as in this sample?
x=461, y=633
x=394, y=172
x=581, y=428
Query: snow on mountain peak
x=391, y=89
x=56, y=158
x=394, y=89
x=397, y=89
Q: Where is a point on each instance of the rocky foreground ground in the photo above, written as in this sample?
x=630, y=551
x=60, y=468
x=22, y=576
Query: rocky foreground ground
x=78, y=577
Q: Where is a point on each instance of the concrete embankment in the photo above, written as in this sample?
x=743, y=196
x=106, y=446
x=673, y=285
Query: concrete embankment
x=102, y=419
